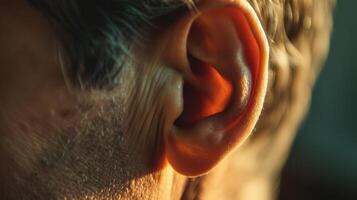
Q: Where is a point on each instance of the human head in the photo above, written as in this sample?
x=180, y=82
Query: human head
x=92, y=90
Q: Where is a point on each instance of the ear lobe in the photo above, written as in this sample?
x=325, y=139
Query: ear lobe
x=224, y=66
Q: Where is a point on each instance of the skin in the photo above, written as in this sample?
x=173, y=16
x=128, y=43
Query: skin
x=59, y=141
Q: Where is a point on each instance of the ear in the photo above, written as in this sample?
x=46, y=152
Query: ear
x=222, y=54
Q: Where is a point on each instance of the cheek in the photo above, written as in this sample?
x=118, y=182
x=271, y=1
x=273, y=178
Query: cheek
x=32, y=87
x=32, y=96
x=31, y=116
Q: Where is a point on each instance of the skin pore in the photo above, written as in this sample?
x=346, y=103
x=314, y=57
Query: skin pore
x=59, y=140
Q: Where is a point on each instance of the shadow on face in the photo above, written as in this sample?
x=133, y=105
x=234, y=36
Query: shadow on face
x=98, y=102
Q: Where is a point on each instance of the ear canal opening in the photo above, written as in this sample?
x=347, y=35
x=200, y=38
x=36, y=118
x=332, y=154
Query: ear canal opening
x=210, y=99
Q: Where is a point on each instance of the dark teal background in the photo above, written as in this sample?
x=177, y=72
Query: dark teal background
x=323, y=161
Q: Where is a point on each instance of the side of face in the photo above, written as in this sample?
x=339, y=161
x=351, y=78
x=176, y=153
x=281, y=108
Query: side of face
x=189, y=94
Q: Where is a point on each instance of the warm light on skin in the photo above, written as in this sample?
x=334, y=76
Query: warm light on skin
x=200, y=104
x=184, y=100
x=224, y=123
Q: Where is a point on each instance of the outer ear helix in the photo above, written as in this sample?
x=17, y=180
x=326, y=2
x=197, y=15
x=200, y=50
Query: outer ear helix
x=224, y=63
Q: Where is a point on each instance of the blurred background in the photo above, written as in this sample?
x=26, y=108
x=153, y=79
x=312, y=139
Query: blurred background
x=323, y=160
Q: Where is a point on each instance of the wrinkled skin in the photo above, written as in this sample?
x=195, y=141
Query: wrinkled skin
x=58, y=141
